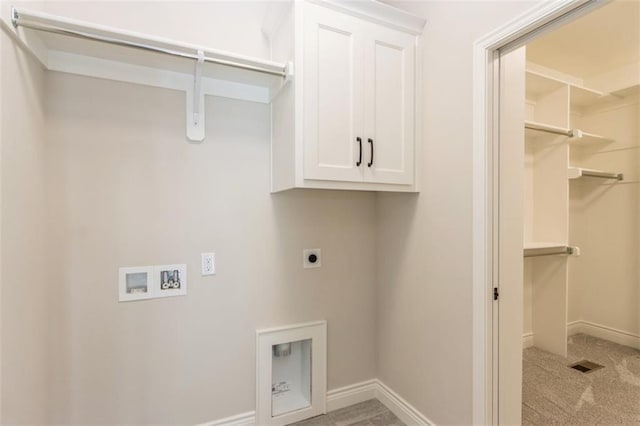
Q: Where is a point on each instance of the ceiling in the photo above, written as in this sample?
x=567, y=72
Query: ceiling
x=604, y=39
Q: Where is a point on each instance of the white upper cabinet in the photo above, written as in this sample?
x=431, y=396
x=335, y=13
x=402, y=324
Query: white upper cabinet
x=348, y=118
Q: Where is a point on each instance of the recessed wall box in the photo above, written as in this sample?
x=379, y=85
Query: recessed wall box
x=148, y=282
x=291, y=373
x=170, y=280
x=135, y=283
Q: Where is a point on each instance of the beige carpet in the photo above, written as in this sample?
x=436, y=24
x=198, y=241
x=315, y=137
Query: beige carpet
x=554, y=394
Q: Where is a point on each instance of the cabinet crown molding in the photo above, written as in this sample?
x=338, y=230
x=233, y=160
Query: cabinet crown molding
x=378, y=12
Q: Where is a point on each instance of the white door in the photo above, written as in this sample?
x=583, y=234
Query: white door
x=389, y=105
x=332, y=67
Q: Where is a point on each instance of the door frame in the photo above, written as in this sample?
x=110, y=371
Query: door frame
x=540, y=19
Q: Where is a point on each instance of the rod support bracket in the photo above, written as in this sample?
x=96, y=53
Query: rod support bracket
x=288, y=69
x=195, y=103
x=197, y=87
x=14, y=17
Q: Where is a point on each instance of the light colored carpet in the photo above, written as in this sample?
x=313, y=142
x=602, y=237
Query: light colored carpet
x=554, y=394
x=367, y=413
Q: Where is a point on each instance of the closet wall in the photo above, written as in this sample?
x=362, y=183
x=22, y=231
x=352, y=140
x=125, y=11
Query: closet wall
x=600, y=216
x=125, y=188
x=605, y=224
x=25, y=278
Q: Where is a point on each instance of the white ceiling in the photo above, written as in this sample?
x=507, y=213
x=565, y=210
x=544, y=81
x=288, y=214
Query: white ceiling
x=604, y=39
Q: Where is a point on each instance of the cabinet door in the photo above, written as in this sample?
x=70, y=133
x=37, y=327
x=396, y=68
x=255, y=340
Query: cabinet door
x=390, y=86
x=332, y=75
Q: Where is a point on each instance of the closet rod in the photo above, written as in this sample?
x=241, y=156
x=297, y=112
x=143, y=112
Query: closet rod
x=604, y=175
x=549, y=129
x=549, y=251
x=19, y=21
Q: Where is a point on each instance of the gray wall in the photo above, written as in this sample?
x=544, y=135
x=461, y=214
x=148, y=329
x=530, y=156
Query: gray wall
x=25, y=275
x=424, y=254
x=128, y=189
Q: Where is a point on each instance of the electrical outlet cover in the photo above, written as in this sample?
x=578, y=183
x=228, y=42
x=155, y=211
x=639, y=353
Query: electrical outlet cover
x=208, y=262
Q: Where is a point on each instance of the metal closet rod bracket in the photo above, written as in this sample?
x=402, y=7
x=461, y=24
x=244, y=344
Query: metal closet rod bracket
x=195, y=127
x=14, y=17
x=288, y=72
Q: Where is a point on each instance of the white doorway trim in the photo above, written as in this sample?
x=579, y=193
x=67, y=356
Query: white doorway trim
x=486, y=50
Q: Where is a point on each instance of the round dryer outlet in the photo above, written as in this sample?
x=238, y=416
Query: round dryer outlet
x=311, y=258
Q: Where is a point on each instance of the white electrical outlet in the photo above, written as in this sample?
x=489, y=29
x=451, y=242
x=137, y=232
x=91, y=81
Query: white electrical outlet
x=311, y=258
x=208, y=263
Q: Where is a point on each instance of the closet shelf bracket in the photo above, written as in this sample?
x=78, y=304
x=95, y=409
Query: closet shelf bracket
x=14, y=17
x=288, y=72
x=195, y=128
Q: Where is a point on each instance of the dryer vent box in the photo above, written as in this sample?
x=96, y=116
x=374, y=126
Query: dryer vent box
x=291, y=373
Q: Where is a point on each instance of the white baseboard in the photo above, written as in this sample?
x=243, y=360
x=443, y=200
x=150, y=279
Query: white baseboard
x=603, y=332
x=596, y=330
x=344, y=397
x=245, y=419
x=527, y=340
x=401, y=408
x=352, y=394
x=574, y=327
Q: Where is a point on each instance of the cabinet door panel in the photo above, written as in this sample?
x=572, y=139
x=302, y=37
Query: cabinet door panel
x=390, y=105
x=332, y=68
